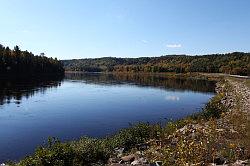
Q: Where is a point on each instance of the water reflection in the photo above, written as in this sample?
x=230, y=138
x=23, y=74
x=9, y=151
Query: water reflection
x=95, y=105
x=172, y=98
x=154, y=80
x=14, y=90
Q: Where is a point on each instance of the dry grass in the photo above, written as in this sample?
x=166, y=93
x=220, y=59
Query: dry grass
x=203, y=141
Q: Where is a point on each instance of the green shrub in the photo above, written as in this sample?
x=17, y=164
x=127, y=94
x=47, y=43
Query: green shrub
x=214, y=108
x=89, y=150
x=55, y=153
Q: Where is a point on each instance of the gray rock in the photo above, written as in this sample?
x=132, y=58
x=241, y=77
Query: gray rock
x=240, y=163
x=143, y=146
x=136, y=162
x=119, y=151
x=140, y=161
x=158, y=163
x=143, y=160
x=128, y=158
x=113, y=160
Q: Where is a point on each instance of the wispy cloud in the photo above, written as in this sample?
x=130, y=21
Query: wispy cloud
x=24, y=31
x=174, y=45
x=144, y=41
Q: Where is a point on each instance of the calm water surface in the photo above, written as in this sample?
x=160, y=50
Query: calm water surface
x=95, y=105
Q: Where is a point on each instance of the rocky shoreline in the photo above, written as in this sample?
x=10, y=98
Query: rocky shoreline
x=228, y=134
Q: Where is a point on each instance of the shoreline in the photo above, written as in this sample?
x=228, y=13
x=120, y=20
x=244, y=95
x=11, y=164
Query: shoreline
x=216, y=136
x=151, y=143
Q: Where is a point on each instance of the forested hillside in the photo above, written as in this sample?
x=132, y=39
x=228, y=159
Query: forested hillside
x=17, y=62
x=231, y=63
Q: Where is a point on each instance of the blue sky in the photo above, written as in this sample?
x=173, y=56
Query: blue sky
x=125, y=28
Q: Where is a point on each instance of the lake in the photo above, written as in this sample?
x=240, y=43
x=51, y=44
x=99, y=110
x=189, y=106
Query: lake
x=90, y=104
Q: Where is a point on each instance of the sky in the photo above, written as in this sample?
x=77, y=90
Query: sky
x=72, y=29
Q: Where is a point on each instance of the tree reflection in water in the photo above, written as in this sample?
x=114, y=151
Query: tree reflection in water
x=155, y=80
x=13, y=90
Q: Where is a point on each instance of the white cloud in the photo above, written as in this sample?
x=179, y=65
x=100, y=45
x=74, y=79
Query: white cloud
x=174, y=45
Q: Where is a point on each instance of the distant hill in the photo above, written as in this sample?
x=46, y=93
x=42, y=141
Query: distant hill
x=231, y=63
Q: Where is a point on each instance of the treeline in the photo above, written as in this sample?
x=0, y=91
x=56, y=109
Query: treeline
x=17, y=62
x=231, y=63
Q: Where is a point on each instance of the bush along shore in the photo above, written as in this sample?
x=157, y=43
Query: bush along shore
x=216, y=136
